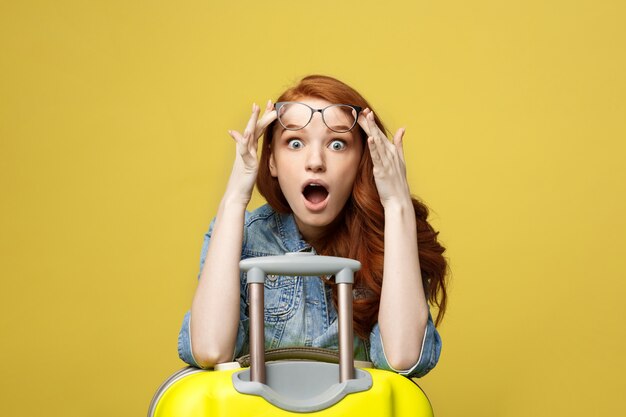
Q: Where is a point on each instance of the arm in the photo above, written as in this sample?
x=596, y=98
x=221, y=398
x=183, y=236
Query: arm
x=403, y=313
x=403, y=310
x=215, y=306
x=429, y=354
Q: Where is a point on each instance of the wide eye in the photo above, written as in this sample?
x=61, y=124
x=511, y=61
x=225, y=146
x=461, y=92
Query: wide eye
x=337, y=145
x=295, y=143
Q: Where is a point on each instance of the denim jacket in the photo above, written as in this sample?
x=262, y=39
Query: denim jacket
x=299, y=310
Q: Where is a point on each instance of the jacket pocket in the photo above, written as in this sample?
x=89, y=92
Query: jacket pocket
x=282, y=295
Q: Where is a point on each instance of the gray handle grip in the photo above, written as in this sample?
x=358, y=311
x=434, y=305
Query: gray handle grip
x=305, y=264
x=300, y=263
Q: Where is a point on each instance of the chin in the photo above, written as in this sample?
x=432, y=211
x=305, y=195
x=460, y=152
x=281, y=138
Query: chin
x=316, y=220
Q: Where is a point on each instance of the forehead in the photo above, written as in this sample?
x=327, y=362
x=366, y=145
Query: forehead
x=316, y=103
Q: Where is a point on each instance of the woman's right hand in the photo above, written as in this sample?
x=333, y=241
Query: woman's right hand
x=246, y=166
x=216, y=304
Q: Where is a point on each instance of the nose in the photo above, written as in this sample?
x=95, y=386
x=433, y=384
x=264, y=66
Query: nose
x=315, y=160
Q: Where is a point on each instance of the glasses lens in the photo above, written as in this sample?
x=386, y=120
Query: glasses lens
x=340, y=118
x=294, y=116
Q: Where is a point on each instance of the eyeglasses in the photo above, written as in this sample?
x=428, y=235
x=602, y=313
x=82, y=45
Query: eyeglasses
x=339, y=118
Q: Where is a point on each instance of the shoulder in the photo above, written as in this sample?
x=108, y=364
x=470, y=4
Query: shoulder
x=262, y=235
x=267, y=232
x=259, y=216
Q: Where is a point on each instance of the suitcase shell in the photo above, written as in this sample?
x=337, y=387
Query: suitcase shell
x=194, y=392
x=292, y=387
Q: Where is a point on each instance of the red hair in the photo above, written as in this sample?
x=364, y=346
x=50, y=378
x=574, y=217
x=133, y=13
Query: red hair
x=363, y=216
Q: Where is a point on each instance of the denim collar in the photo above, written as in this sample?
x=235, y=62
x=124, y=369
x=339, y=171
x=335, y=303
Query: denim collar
x=290, y=235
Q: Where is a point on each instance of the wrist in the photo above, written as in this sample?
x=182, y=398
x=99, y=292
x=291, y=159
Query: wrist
x=399, y=205
x=238, y=193
x=234, y=202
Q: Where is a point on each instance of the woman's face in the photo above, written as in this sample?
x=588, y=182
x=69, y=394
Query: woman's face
x=315, y=168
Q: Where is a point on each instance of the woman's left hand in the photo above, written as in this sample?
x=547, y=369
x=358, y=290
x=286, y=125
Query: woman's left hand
x=388, y=160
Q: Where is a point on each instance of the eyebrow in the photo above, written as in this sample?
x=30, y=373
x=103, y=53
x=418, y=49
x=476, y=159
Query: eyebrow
x=351, y=135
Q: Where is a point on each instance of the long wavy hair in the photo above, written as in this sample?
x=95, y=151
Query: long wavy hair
x=363, y=216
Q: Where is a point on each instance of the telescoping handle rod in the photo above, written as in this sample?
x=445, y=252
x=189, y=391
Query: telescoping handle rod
x=300, y=264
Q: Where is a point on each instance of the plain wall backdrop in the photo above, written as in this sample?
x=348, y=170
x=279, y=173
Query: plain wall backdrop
x=114, y=155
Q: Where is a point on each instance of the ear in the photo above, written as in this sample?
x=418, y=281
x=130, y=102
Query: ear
x=272, y=164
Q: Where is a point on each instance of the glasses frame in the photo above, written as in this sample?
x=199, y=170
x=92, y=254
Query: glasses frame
x=280, y=104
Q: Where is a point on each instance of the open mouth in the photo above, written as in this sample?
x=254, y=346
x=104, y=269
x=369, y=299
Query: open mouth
x=315, y=193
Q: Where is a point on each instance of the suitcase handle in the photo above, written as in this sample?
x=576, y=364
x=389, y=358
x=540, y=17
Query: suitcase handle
x=305, y=264
x=295, y=352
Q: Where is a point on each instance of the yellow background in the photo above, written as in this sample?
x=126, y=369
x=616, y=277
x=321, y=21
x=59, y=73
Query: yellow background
x=114, y=154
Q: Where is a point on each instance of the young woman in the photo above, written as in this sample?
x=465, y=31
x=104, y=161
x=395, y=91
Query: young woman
x=335, y=185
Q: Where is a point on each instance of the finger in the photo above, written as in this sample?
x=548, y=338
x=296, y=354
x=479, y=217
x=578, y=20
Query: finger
x=237, y=137
x=383, y=151
x=373, y=127
x=269, y=115
x=264, y=122
x=362, y=121
x=250, y=132
x=268, y=108
x=397, y=140
x=252, y=121
x=241, y=144
x=374, y=152
x=266, y=119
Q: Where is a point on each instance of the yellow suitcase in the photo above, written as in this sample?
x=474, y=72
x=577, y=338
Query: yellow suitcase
x=307, y=382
